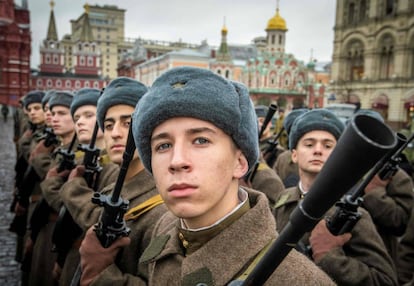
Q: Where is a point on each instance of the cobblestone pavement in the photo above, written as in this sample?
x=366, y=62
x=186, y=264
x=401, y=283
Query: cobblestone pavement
x=9, y=268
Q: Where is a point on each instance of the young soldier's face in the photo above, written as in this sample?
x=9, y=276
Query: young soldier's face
x=312, y=151
x=48, y=115
x=35, y=113
x=62, y=122
x=116, y=126
x=196, y=167
x=85, y=120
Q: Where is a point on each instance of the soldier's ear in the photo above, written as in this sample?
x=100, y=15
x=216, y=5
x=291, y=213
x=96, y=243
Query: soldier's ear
x=294, y=156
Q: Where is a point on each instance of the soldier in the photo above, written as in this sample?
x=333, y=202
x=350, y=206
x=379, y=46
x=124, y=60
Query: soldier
x=44, y=216
x=356, y=258
x=67, y=235
x=196, y=132
x=405, y=261
x=262, y=177
x=114, y=110
x=284, y=167
x=27, y=182
x=389, y=201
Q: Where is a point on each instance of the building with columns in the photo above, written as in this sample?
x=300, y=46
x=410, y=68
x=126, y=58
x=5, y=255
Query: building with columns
x=373, y=57
x=15, y=44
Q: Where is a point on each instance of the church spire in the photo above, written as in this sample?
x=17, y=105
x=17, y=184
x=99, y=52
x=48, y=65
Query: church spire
x=51, y=31
x=86, y=30
x=223, y=52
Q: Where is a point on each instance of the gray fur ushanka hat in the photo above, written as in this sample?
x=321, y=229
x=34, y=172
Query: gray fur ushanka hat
x=84, y=96
x=47, y=97
x=316, y=119
x=34, y=96
x=290, y=118
x=61, y=98
x=122, y=90
x=202, y=94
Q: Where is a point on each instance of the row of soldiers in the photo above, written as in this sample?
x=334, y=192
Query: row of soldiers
x=201, y=203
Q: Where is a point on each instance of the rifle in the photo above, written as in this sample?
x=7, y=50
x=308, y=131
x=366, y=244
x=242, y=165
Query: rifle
x=68, y=157
x=66, y=230
x=270, y=153
x=112, y=224
x=50, y=137
x=363, y=135
x=346, y=214
x=91, y=160
x=270, y=112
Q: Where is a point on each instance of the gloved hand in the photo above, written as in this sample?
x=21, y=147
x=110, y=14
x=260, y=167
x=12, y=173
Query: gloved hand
x=95, y=258
x=322, y=240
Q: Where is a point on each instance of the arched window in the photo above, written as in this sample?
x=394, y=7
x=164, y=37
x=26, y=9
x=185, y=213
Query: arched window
x=386, y=59
x=227, y=73
x=355, y=60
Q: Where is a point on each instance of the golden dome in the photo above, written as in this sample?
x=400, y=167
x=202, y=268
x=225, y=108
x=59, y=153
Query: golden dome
x=276, y=23
x=224, y=30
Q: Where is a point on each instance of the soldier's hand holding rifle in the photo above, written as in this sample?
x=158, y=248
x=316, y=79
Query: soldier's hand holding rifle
x=95, y=258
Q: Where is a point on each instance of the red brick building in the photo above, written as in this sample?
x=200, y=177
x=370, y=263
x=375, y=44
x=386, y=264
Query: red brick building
x=14, y=51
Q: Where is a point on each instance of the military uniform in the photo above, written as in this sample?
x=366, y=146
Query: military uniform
x=405, y=261
x=268, y=182
x=45, y=219
x=137, y=190
x=363, y=260
x=220, y=254
x=390, y=209
x=107, y=176
x=286, y=169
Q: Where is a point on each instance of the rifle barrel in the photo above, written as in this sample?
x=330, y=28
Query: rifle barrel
x=126, y=159
x=269, y=115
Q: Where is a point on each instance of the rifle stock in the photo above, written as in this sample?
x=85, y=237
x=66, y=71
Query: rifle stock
x=364, y=135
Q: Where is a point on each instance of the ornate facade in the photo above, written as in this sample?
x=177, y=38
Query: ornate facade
x=84, y=70
x=373, y=57
x=14, y=51
x=277, y=76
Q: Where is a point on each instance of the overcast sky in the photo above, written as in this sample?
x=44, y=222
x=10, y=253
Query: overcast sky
x=310, y=23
